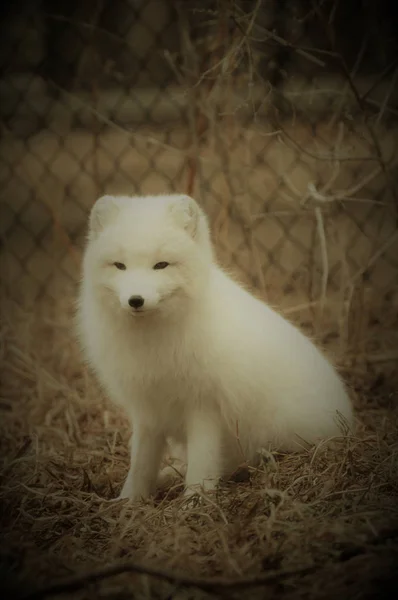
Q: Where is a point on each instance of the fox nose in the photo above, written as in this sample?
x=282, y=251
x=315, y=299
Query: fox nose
x=136, y=301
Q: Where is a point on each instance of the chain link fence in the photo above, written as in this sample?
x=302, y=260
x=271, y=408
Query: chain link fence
x=280, y=118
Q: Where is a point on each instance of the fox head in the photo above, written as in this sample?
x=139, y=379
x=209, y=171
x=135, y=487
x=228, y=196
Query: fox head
x=148, y=254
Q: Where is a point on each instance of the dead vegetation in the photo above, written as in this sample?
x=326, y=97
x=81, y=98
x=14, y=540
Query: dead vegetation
x=318, y=525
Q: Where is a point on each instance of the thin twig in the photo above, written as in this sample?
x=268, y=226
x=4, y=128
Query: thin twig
x=276, y=38
x=379, y=79
x=386, y=98
x=346, y=194
x=324, y=256
x=389, y=242
x=211, y=585
x=148, y=139
x=354, y=71
x=235, y=50
x=323, y=157
x=360, y=103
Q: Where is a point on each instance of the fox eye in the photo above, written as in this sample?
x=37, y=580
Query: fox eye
x=161, y=265
x=120, y=266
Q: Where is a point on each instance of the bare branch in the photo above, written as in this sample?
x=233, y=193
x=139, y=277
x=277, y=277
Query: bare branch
x=210, y=585
x=360, y=102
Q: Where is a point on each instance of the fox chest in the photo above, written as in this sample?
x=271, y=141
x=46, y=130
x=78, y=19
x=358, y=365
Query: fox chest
x=158, y=373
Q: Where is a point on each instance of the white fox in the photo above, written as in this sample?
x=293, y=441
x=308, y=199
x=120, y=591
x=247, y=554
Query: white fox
x=191, y=355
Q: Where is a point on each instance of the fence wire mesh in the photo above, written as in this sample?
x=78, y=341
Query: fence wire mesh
x=280, y=118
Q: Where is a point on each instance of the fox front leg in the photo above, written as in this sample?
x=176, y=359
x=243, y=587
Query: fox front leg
x=146, y=453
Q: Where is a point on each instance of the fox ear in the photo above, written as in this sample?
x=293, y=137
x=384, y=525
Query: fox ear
x=186, y=213
x=103, y=211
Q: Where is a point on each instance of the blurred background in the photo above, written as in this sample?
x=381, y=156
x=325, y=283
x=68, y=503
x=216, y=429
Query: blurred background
x=280, y=118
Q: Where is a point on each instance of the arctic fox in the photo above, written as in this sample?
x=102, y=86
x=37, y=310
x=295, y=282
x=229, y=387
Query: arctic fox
x=190, y=354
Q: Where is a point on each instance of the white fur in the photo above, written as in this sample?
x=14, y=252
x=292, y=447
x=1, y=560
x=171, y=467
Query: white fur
x=203, y=363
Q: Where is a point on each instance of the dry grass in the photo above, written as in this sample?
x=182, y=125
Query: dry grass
x=64, y=455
